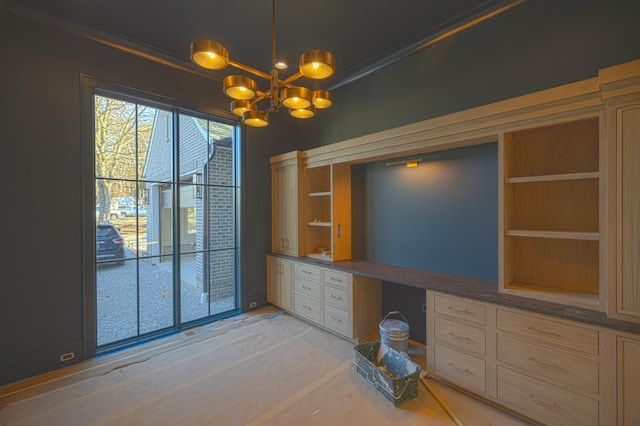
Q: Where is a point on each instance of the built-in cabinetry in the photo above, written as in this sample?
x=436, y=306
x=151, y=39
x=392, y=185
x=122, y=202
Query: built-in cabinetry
x=628, y=380
x=326, y=212
x=285, y=193
x=279, y=282
x=555, y=371
x=458, y=349
x=569, y=233
x=550, y=211
x=624, y=138
x=346, y=304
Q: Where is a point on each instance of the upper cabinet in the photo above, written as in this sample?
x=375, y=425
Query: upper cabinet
x=550, y=194
x=285, y=193
x=623, y=114
x=326, y=212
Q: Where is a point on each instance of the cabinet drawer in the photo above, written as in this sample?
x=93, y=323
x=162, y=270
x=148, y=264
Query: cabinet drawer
x=548, y=363
x=460, y=335
x=307, y=271
x=340, y=279
x=544, y=402
x=337, y=319
x=336, y=296
x=307, y=307
x=460, y=308
x=307, y=287
x=565, y=335
x=465, y=369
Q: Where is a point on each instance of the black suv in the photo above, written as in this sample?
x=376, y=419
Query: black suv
x=109, y=244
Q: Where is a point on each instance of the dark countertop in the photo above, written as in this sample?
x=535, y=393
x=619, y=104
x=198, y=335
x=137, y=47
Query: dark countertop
x=473, y=288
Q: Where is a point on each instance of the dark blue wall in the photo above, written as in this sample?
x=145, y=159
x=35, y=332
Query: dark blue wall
x=440, y=216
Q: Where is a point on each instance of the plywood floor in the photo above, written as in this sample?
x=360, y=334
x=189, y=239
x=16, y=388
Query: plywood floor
x=261, y=368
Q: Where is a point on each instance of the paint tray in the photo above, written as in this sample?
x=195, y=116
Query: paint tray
x=392, y=373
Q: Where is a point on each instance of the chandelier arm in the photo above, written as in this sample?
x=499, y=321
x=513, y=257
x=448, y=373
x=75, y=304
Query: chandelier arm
x=290, y=79
x=249, y=69
x=261, y=96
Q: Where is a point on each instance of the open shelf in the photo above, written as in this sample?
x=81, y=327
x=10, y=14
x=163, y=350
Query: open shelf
x=591, y=236
x=554, y=178
x=327, y=211
x=551, y=213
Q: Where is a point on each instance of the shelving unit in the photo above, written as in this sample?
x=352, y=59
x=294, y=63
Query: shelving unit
x=550, y=191
x=327, y=212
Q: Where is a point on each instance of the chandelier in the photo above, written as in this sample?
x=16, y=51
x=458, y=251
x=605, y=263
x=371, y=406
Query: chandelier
x=300, y=101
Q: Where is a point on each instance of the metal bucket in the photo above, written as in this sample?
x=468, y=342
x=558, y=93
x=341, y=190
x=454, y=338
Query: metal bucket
x=395, y=333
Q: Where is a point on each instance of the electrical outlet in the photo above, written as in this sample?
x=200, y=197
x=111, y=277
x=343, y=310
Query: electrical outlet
x=67, y=357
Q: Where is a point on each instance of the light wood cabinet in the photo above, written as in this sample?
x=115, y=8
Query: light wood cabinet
x=326, y=212
x=628, y=381
x=456, y=341
x=554, y=371
x=550, y=215
x=285, y=173
x=624, y=138
x=279, y=282
x=346, y=304
x=548, y=369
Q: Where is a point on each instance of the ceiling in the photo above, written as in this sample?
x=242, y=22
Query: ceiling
x=358, y=32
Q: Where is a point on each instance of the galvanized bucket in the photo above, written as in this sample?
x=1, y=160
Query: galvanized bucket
x=395, y=333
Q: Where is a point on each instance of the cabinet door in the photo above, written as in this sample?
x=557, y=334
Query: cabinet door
x=627, y=136
x=279, y=282
x=628, y=381
x=289, y=214
x=285, y=210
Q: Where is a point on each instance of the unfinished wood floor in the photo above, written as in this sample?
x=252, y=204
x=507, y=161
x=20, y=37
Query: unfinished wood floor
x=261, y=368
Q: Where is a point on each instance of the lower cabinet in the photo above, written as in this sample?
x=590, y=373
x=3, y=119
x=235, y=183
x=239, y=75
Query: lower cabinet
x=345, y=304
x=279, y=282
x=551, y=370
x=628, y=380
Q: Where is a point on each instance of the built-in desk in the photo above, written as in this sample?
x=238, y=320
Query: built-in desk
x=472, y=288
x=556, y=364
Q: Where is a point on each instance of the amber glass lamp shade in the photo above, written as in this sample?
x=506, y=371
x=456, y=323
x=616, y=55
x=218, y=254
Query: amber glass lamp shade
x=308, y=112
x=322, y=99
x=317, y=64
x=209, y=54
x=255, y=118
x=296, y=97
x=239, y=87
x=238, y=107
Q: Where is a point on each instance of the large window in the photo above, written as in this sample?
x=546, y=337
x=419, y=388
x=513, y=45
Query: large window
x=166, y=223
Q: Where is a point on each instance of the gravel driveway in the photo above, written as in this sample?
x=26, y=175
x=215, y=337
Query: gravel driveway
x=118, y=302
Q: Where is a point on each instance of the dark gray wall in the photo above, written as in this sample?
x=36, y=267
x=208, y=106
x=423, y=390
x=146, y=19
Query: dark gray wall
x=542, y=44
x=536, y=46
x=41, y=307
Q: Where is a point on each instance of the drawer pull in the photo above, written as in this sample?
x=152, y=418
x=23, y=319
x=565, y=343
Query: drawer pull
x=464, y=370
x=545, y=363
x=462, y=311
x=545, y=402
x=336, y=297
x=336, y=319
x=337, y=280
x=306, y=307
x=550, y=333
x=466, y=338
x=306, y=272
x=306, y=288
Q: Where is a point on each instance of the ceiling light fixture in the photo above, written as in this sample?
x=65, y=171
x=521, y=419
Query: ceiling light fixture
x=302, y=102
